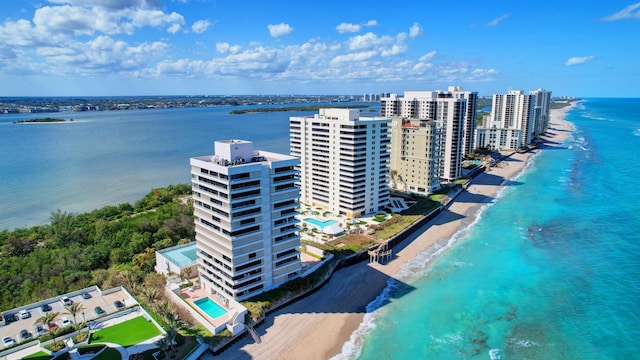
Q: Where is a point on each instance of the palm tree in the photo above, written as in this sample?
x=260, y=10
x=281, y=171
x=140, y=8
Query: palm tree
x=150, y=295
x=172, y=333
x=48, y=318
x=185, y=273
x=73, y=310
x=163, y=344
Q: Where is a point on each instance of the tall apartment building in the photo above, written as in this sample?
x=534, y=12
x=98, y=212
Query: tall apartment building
x=512, y=118
x=452, y=112
x=414, y=158
x=245, y=219
x=410, y=106
x=344, y=160
x=541, y=108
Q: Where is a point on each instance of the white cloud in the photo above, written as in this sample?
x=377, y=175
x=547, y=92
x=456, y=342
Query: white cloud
x=200, y=26
x=577, y=60
x=497, y=20
x=368, y=40
x=631, y=12
x=173, y=28
x=225, y=48
x=74, y=20
x=348, y=28
x=353, y=28
x=89, y=41
x=361, y=56
x=428, y=56
x=111, y=4
x=415, y=30
x=279, y=30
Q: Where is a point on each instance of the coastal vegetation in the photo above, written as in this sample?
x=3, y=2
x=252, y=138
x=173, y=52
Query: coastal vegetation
x=297, y=108
x=41, y=120
x=111, y=246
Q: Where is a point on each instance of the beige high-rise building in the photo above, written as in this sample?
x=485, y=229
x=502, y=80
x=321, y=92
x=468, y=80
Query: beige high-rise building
x=244, y=204
x=344, y=160
x=414, y=155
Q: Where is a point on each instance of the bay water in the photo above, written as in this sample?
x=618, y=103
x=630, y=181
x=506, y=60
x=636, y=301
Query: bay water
x=550, y=270
x=113, y=157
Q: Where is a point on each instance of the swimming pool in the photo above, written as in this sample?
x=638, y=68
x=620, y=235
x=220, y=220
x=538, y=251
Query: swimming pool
x=210, y=307
x=319, y=223
x=181, y=255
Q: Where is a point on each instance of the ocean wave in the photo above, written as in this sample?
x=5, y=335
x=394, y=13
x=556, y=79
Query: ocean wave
x=448, y=339
x=594, y=117
x=494, y=354
x=522, y=343
x=462, y=264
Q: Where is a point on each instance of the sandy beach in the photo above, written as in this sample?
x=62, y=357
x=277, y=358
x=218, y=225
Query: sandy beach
x=318, y=326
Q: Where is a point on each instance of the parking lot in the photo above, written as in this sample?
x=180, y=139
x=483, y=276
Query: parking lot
x=87, y=313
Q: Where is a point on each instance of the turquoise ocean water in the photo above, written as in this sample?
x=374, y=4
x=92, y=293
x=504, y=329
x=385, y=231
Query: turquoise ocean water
x=551, y=270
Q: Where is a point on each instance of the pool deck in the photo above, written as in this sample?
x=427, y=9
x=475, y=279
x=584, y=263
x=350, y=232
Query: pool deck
x=195, y=294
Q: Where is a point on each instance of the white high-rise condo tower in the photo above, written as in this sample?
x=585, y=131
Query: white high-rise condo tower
x=344, y=160
x=542, y=107
x=512, y=123
x=245, y=215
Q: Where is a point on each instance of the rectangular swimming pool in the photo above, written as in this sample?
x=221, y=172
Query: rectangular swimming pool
x=210, y=307
x=181, y=256
x=319, y=223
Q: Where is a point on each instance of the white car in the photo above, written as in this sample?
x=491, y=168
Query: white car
x=66, y=301
x=8, y=341
x=24, y=314
x=65, y=322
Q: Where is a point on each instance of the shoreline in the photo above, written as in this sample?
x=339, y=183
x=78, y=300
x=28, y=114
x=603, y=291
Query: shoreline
x=333, y=320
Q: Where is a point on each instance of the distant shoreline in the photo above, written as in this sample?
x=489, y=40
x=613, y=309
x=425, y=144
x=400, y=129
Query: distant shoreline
x=294, y=108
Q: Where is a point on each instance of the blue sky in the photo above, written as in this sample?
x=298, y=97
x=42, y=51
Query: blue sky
x=195, y=47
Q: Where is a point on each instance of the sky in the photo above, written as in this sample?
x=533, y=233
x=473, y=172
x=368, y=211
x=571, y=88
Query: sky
x=214, y=47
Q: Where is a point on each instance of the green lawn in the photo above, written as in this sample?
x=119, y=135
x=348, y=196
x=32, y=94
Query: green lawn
x=127, y=333
x=40, y=355
x=109, y=354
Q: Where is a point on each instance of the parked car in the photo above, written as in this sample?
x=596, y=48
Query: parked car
x=39, y=330
x=45, y=307
x=24, y=334
x=118, y=304
x=86, y=295
x=66, y=301
x=8, y=318
x=8, y=341
x=24, y=314
x=53, y=326
x=65, y=322
x=99, y=311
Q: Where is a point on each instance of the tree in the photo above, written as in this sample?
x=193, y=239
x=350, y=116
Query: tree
x=172, y=333
x=185, y=273
x=163, y=344
x=73, y=310
x=62, y=229
x=47, y=319
x=150, y=295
